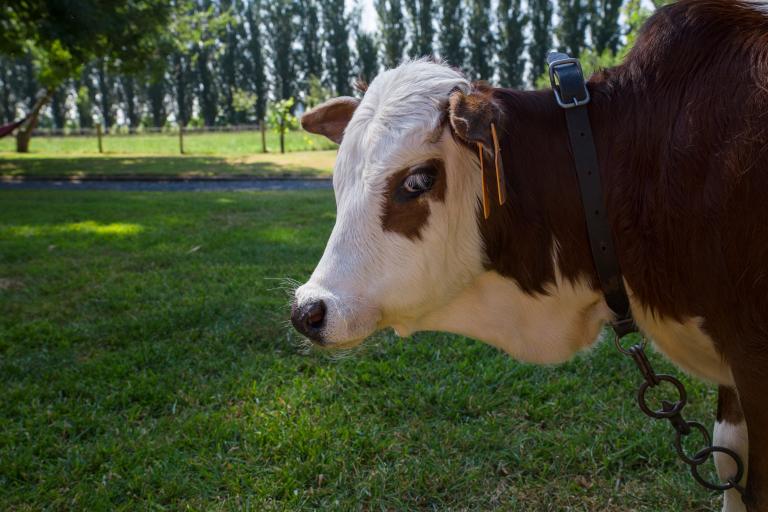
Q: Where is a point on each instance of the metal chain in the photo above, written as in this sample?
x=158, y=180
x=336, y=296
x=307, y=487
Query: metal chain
x=672, y=411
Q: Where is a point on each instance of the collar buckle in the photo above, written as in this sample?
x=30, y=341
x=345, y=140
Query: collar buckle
x=567, y=80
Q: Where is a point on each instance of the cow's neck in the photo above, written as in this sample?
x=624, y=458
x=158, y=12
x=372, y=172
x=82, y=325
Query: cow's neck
x=536, y=328
x=543, y=215
x=538, y=298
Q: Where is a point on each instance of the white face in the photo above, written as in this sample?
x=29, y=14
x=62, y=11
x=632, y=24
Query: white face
x=406, y=251
x=406, y=238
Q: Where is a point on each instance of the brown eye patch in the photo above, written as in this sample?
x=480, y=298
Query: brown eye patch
x=406, y=211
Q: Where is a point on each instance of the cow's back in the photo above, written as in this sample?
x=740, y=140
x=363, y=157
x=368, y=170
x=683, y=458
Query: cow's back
x=685, y=129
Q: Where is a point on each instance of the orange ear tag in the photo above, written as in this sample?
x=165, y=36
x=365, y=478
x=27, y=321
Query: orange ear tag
x=486, y=194
x=501, y=183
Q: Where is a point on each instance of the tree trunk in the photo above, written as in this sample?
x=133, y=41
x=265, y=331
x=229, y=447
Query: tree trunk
x=129, y=95
x=263, y=136
x=25, y=132
x=105, y=86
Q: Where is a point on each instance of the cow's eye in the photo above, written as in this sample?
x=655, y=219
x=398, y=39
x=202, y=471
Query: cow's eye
x=418, y=182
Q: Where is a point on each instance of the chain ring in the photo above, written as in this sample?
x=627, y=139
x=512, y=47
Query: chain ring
x=662, y=414
x=732, y=482
x=693, y=425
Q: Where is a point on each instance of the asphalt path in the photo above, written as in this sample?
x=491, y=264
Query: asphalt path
x=170, y=186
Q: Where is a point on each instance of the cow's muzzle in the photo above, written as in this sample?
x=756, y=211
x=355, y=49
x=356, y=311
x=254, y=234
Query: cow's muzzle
x=309, y=320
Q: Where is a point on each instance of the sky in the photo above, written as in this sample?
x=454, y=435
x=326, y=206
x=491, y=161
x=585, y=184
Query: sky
x=369, y=14
x=370, y=19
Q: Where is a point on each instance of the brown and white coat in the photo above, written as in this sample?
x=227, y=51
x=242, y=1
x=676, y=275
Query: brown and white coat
x=681, y=130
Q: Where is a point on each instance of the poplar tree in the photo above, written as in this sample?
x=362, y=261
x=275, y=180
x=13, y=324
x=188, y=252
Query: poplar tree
x=367, y=56
x=481, y=43
x=281, y=30
x=604, y=24
x=256, y=63
x=452, y=32
x=85, y=99
x=59, y=106
x=7, y=93
x=130, y=101
x=512, y=22
x=311, y=44
x=392, y=30
x=541, y=40
x=156, y=101
x=106, y=94
x=422, y=31
x=336, y=25
x=228, y=65
x=572, y=29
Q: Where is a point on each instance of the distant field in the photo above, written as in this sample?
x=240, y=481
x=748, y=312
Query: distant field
x=231, y=144
x=70, y=166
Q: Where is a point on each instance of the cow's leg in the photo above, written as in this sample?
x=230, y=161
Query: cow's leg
x=752, y=385
x=730, y=432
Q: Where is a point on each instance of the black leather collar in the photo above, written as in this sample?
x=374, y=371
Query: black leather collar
x=572, y=95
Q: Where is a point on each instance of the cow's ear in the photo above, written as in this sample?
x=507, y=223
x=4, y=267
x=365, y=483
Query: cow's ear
x=330, y=118
x=471, y=116
x=474, y=118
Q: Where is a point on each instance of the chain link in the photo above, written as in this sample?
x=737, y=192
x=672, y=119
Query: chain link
x=672, y=411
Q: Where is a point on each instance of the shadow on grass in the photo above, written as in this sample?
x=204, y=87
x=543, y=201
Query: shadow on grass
x=304, y=165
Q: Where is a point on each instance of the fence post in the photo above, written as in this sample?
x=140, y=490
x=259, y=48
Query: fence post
x=181, y=138
x=98, y=136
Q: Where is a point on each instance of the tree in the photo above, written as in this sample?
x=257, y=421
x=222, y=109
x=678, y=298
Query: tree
x=422, y=31
x=604, y=24
x=7, y=96
x=258, y=80
x=367, y=56
x=62, y=37
x=281, y=119
x=541, y=32
x=336, y=25
x=452, y=32
x=481, y=43
x=571, y=32
x=392, y=30
x=106, y=92
x=211, y=27
x=85, y=99
x=228, y=71
x=156, y=97
x=281, y=29
x=130, y=101
x=311, y=44
x=59, y=107
x=512, y=21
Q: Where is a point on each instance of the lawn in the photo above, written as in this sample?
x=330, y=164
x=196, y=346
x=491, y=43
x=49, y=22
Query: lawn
x=232, y=144
x=147, y=365
x=208, y=155
x=299, y=164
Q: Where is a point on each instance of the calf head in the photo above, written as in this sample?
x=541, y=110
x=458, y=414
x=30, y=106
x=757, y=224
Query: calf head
x=406, y=250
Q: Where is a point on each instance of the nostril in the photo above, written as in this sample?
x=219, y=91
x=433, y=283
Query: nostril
x=309, y=319
x=315, y=315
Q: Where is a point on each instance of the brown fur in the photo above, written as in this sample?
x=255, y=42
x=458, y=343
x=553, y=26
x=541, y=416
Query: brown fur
x=681, y=130
x=728, y=407
x=408, y=217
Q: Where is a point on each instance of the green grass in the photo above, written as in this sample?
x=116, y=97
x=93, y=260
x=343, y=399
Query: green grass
x=294, y=164
x=146, y=365
x=231, y=144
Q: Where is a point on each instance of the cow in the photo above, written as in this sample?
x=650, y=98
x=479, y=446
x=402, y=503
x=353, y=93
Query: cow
x=681, y=133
